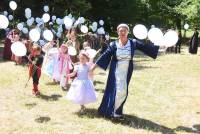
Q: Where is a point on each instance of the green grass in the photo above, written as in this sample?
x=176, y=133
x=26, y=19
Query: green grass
x=164, y=97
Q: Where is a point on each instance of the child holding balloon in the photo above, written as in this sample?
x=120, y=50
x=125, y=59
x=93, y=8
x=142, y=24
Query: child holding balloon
x=36, y=60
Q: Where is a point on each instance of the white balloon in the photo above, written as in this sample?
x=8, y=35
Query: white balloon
x=41, y=42
x=53, y=17
x=58, y=21
x=13, y=5
x=25, y=30
x=186, y=26
x=94, y=24
x=28, y=15
x=58, y=35
x=76, y=23
x=72, y=51
x=48, y=35
x=68, y=22
x=37, y=20
x=5, y=13
x=27, y=11
x=91, y=52
x=107, y=37
x=170, y=38
x=50, y=23
x=34, y=34
x=18, y=48
x=94, y=28
x=4, y=22
x=101, y=22
x=46, y=17
x=101, y=30
x=10, y=17
x=29, y=22
x=155, y=35
x=46, y=8
x=84, y=29
x=60, y=29
x=20, y=26
x=140, y=31
x=81, y=20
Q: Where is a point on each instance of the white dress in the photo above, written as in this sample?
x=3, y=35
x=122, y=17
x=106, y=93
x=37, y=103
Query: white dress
x=123, y=54
x=82, y=89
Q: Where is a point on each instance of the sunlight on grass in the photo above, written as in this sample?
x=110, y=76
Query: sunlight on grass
x=164, y=97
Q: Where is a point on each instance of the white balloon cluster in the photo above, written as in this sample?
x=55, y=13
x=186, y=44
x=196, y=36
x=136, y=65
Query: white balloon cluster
x=155, y=35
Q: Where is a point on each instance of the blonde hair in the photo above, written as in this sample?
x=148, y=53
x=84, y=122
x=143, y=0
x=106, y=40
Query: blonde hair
x=36, y=47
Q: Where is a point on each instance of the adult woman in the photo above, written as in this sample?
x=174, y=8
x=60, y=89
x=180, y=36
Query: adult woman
x=120, y=53
x=7, y=53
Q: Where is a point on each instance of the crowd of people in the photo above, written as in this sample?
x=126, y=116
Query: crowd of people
x=71, y=71
x=73, y=68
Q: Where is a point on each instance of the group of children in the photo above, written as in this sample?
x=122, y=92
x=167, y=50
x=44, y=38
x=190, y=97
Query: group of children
x=58, y=64
x=54, y=60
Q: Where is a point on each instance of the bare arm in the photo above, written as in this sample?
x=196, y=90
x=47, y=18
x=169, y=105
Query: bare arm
x=72, y=74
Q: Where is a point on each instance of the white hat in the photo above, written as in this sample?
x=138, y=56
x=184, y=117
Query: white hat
x=123, y=25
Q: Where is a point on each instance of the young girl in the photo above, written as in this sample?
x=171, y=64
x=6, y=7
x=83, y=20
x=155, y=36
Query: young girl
x=64, y=65
x=82, y=89
x=36, y=61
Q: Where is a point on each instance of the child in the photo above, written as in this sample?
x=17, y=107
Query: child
x=36, y=61
x=64, y=65
x=82, y=89
x=47, y=57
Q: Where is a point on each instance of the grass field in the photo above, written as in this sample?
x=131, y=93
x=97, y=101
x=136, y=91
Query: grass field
x=164, y=97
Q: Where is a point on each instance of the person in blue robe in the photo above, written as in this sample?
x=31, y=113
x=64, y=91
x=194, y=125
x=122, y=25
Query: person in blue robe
x=119, y=55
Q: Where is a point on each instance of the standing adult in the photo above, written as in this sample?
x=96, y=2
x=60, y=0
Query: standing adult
x=76, y=45
x=7, y=53
x=120, y=53
x=193, y=48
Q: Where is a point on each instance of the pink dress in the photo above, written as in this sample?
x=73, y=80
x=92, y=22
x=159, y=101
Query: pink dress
x=82, y=89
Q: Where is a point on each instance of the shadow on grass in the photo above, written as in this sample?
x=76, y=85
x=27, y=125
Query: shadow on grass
x=194, y=130
x=102, y=73
x=98, y=82
x=30, y=105
x=52, y=83
x=53, y=97
x=99, y=90
x=42, y=119
x=142, y=67
x=130, y=121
